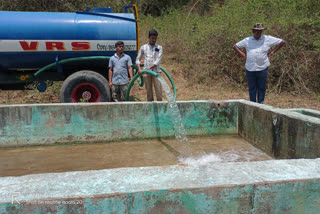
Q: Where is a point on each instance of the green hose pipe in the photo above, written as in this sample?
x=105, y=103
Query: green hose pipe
x=136, y=77
x=135, y=70
x=70, y=60
x=171, y=81
x=141, y=82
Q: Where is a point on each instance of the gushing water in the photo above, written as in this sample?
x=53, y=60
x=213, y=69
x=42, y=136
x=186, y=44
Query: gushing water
x=175, y=115
x=221, y=157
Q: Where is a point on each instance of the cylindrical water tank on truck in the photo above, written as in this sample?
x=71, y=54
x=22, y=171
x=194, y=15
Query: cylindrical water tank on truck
x=55, y=46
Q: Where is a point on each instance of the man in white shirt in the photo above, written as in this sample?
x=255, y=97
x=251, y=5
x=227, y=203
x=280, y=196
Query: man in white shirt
x=152, y=53
x=257, y=59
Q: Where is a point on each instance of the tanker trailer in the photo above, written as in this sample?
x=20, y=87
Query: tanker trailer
x=36, y=47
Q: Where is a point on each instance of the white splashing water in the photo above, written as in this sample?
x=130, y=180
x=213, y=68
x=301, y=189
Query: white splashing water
x=221, y=157
x=229, y=156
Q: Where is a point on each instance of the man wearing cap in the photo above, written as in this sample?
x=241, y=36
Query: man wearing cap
x=119, y=65
x=257, y=59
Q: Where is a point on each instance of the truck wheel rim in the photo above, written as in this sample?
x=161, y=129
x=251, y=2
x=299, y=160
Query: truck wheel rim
x=86, y=92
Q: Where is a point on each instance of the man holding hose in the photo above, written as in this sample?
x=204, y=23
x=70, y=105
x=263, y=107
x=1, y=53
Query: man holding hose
x=257, y=59
x=152, y=53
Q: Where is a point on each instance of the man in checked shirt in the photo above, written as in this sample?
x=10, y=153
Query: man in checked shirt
x=152, y=53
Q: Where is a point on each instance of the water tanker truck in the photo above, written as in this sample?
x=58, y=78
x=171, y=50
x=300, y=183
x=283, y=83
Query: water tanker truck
x=40, y=47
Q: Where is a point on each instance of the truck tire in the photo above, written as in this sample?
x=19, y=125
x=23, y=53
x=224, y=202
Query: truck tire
x=85, y=86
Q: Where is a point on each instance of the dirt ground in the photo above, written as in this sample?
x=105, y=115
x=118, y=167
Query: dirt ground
x=219, y=90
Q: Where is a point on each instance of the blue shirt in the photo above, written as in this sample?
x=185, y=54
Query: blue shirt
x=120, y=68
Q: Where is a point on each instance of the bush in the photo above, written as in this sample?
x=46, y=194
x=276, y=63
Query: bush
x=203, y=44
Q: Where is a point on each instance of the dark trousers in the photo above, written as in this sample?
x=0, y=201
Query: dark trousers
x=257, y=81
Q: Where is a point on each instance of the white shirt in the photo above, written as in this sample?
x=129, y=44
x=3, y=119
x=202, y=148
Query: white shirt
x=152, y=56
x=257, y=51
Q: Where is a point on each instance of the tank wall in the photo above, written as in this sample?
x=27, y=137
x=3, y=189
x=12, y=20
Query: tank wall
x=276, y=186
x=47, y=124
x=281, y=133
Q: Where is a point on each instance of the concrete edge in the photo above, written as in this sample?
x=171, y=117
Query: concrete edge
x=123, y=180
x=113, y=103
x=286, y=112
